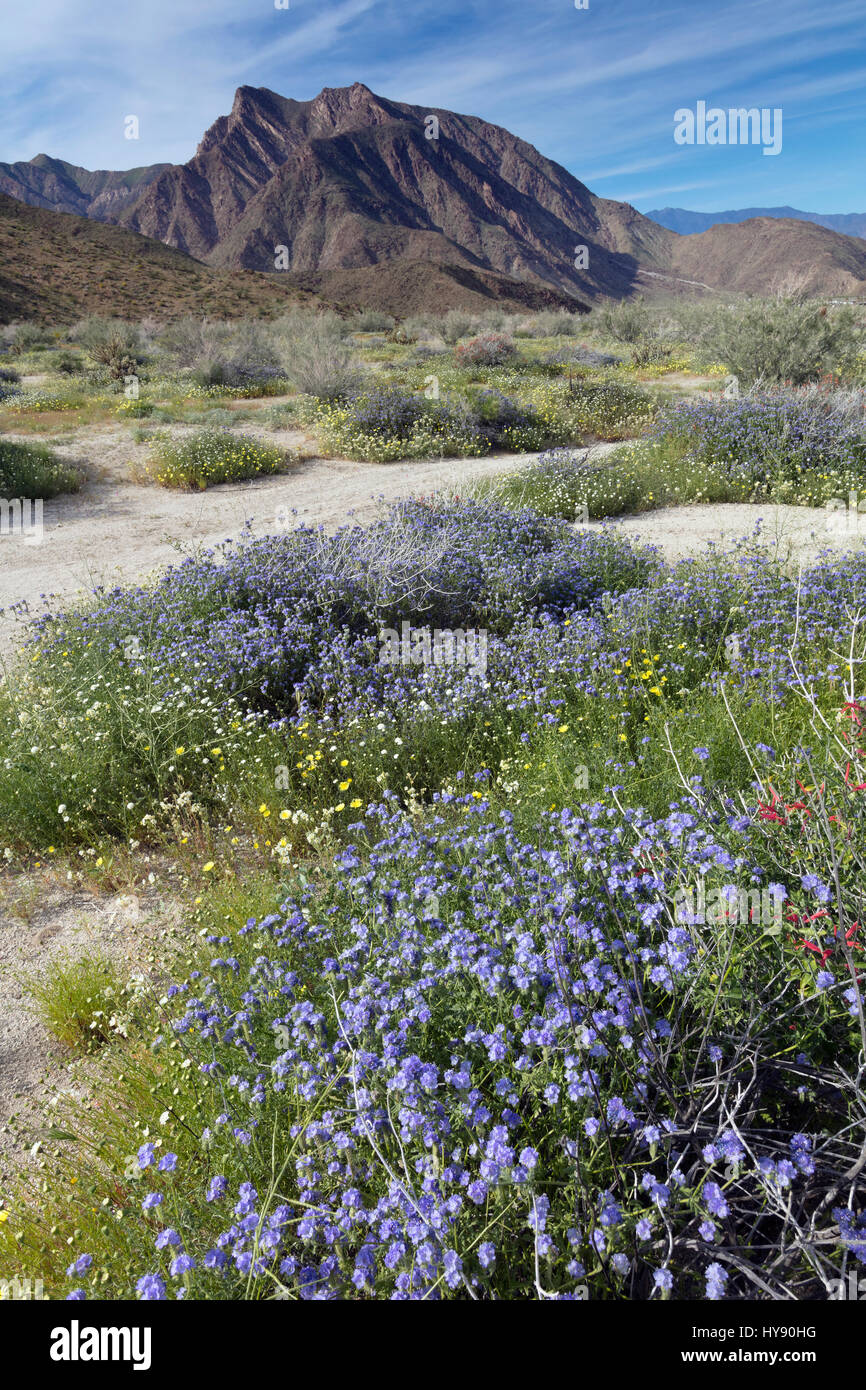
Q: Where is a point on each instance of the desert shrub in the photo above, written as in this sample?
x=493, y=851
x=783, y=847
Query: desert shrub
x=557, y=323
x=417, y=328
x=783, y=340
x=574, y=355
x=33, y=471
x=246, y=378
x=651, y=353
x=486, y=350
x=315, y=358
x=421, y=352
x=456, y=324
x=213, y=456
x=68, y=364
x=626, y=321
x=386, y=423
x=799, y=447
x=9, y=376
x=239, y=355
x=607, y=409
x=371, y=321
x=494, y=320
x=29, y=336
x=184, y=341
x=509, y=424
x=386, y=411
x=111, y=343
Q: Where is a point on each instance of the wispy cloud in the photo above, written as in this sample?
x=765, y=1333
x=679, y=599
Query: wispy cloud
x=594, y=89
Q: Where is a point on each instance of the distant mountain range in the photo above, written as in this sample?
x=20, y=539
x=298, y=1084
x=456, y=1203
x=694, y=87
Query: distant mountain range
x=362, y=200
x=687, y=223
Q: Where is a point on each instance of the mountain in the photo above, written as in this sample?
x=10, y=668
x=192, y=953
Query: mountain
x=44, y=182
x=686, y=223
x=766, y=254
x=57, y=267
x=366, y=201
x=350, y=180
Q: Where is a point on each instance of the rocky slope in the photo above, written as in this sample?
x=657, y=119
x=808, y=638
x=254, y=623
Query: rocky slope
x=354, y=194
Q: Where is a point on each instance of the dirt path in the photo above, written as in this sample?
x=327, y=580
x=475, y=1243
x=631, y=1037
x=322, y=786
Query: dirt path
x=114, y=530
x=799, y=533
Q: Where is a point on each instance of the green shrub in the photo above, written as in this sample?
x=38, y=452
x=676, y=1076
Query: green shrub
x=112, y=343
x=626, y=321
x=315, y=358
x=456, y=324
x=67, y=363
x=80, y=1001
x=784, y=340
x=28, y=336
x=213, y=456
x=33, y=471
x=608, y=409
x=371, y=321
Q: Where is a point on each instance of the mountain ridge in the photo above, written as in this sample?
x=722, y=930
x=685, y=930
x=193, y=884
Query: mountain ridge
x=346, y=190
x=687, y=223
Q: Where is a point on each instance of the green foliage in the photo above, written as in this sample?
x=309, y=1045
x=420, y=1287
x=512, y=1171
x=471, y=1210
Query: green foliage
x=626, y=320
x=785, y=340
x=80, y=1000
x=315, y=358
x=213, y=456
x=112, y=343
x=33, y=471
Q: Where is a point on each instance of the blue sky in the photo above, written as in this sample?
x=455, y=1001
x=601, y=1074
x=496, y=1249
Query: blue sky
x=595, y=89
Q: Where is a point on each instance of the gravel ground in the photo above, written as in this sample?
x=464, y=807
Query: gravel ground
x=42, y=920
x=116, y=530
x=797, y=534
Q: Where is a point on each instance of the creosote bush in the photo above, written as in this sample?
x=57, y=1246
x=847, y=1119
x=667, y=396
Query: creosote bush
x=791, y=340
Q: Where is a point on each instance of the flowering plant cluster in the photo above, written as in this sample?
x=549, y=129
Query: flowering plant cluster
x=481, y=1066
x=213, y=456
x=485, y=350
x=782, y=443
